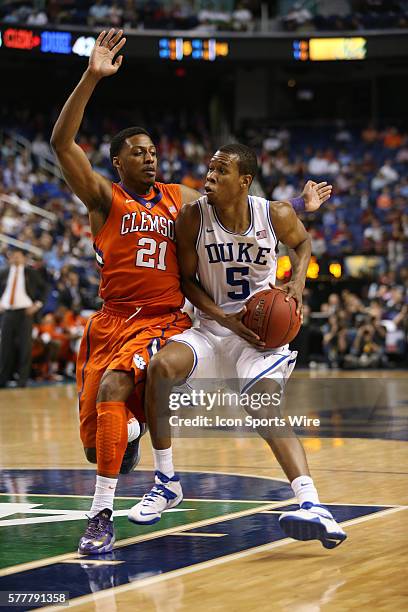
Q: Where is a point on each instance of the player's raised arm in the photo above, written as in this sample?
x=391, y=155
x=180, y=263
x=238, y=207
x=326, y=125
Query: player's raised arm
x=291, y=232
x=92, y=188
x=187, y=229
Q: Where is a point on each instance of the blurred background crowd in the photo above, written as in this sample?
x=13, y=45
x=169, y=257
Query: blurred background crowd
x=211, y=15
x=358, y=320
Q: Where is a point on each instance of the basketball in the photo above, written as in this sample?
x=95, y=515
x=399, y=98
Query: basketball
x=272, y=318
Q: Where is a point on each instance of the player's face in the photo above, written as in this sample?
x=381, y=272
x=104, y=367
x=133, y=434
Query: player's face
x=137, y=161
x=222, y=183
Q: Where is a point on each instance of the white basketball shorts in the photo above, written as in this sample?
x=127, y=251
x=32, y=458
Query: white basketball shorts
x=231, y=358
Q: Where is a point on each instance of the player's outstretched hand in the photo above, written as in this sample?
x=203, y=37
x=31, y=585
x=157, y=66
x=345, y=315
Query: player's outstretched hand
x=102, y=62
x=234, y=323
x=315, y=194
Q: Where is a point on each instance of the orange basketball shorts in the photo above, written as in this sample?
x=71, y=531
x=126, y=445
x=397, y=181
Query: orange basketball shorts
x=113, y=340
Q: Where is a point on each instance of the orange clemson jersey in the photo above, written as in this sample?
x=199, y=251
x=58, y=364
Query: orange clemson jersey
x=136, y=249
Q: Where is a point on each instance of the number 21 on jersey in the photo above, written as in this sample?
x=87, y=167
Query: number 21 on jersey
x=152, y=255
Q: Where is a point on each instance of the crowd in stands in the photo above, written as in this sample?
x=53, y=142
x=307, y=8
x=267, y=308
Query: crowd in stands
x=367, y=215
x=364, y=331
x=368, y=212
x=348, y=15
x=209, y=16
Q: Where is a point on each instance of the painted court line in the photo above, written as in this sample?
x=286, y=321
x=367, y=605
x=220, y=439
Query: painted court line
x=199, y=535
x=188, y=499
x=205, y=565
x=60, y=516
x=93, y=562
x=15, y=569
x=180, y=469
x=198, y=499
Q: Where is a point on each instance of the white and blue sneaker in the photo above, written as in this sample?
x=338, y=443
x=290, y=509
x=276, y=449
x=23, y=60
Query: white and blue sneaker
x=312, y=522
x=166, y=493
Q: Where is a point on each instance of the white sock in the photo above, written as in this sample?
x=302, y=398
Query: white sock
x=304, y=489
x=104, y=494
x=163, y=461
x=133, y=429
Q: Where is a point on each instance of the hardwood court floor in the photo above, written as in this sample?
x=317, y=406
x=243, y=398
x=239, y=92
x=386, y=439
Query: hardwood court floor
x=39, y=431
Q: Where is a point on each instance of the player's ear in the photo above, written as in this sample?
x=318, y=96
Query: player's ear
x=116, y=162
x=246, y=180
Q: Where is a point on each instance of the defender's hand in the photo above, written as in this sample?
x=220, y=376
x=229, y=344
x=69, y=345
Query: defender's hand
x=234, y=323
x=107, y=45
x=314, y=194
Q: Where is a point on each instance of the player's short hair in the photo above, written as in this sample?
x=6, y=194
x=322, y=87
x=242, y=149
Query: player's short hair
x=119, y=139
x=247, y=160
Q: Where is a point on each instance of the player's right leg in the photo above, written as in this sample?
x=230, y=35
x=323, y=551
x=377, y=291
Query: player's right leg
x=122, y=385
x=111, y=440
x=103, y=422
x=184, y=358
x=97, y=349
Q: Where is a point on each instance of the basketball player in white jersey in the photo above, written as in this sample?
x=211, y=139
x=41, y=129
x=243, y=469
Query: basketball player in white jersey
x=227, y=244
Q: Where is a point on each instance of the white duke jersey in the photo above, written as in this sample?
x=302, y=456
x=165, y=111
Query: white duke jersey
x=232, y=267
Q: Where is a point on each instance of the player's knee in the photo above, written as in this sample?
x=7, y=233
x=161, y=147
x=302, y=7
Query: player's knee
x=164, y=367
x=115, y=386
x=90, y=454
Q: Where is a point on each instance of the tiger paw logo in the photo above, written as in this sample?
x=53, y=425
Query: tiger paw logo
x=139, y=361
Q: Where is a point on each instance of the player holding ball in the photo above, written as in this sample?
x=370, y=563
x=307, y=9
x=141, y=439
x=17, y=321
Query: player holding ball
x=227, y=251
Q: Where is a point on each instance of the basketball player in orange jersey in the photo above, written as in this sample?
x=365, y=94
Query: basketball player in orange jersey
x=133, y=228
x=132, y=224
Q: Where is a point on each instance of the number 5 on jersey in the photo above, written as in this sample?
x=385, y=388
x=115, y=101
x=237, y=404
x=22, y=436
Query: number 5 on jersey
x=153, y=255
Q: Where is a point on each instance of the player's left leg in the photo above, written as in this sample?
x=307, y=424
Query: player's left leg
x=188, y=356
x=265, y=376
x=168, y=368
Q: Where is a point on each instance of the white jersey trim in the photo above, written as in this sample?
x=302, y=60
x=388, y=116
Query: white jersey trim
x=268, y=214
x=201, y=224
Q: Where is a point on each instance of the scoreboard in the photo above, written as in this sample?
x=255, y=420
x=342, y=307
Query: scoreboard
x=219, y=48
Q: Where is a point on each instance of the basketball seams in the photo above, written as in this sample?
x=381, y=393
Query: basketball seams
x=283, y=341
x=268, y=318
x=275, y=322
x=290, y=323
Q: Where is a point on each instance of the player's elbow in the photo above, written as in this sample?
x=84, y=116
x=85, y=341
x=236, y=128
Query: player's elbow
x=58, y=143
